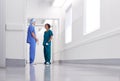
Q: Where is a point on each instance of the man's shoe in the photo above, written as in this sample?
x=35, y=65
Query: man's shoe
x=44, y=62
x=47, y=63
x=33, y=63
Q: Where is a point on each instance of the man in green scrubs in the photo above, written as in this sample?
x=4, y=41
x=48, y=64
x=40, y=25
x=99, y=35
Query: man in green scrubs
x=48, y=34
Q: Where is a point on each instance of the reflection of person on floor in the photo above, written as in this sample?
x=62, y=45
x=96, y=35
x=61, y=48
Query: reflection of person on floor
x=31, y=39
x=48, y=34
x=32, y=73
x=47, y=73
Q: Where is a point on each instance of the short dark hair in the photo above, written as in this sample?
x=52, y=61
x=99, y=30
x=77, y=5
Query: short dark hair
x=49, y=26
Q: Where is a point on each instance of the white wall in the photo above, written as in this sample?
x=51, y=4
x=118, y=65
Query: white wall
x=16, y=29
x=15, y=26
x=2, y=33
x=101, y=44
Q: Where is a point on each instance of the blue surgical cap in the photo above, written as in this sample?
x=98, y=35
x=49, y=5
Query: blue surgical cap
x=32, y=21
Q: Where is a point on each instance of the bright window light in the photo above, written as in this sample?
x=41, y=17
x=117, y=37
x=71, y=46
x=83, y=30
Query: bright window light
x=92, y=16
x=68, y=25
x=58, y=3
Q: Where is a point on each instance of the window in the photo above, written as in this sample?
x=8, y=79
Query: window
x=68, y=25
x=92, y=16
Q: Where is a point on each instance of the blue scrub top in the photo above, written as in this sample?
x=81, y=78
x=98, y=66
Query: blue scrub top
x=47, y=35
x=30, y=39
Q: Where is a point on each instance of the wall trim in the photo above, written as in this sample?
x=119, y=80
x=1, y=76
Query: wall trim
x=14, y=27
x=15, y=62
x=93, y=39
x=114, y=62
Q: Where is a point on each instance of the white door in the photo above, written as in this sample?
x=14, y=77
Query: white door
x=39, y=57
x=2, y=33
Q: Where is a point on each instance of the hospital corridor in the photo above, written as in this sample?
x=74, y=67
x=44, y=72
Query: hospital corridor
x=59, y=40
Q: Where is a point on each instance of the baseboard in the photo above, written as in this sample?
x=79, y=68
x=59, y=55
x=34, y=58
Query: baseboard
x=115, y=62
x=15, y=62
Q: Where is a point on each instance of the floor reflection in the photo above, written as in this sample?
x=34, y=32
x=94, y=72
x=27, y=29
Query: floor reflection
x=47, y=73
x=62, y=72
x=32, y=73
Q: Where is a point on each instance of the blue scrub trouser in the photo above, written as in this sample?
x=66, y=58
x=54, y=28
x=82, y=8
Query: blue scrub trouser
x=32, y=52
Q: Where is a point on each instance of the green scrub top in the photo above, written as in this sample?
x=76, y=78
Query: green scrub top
x=47, y=35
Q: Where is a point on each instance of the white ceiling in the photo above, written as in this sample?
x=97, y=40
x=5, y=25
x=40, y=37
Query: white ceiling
x=47, y=1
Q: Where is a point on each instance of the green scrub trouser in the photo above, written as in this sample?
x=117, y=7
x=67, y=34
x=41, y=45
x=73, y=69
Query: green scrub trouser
x=47, y=53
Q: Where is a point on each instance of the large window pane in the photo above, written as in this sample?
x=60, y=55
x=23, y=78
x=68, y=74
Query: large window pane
x=68, y=25
x=92, y=16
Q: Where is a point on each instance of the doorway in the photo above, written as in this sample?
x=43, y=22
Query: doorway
x=40, y=22
x=2, y=33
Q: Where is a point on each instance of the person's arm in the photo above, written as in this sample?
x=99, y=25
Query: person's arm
x=34, y=36
x=50, y=39
x=51, y=36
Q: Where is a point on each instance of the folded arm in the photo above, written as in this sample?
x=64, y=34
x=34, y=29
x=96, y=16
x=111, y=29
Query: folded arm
x=34, y=36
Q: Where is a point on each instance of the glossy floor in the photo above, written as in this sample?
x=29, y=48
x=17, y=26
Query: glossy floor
x=62, y=72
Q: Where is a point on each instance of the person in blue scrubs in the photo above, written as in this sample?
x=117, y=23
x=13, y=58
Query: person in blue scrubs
x=31, y=39
x=48, y=34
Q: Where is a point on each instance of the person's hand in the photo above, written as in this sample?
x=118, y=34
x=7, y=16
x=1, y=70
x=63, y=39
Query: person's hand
x=36, y=40
x=47, y=44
